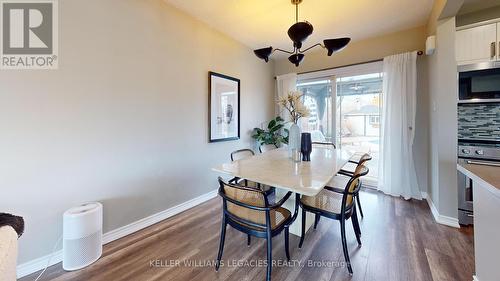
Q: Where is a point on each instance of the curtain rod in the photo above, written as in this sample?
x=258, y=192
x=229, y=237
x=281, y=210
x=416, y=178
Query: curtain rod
x=347, y=65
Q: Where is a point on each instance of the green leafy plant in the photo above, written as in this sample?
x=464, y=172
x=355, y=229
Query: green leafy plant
x=273, y=133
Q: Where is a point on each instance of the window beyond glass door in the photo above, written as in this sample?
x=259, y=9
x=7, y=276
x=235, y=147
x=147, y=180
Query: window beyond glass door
x=346, y=109
x=358, y=117
x=318, y=98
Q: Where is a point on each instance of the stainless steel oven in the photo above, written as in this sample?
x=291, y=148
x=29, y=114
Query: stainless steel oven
x=465, y=197
x=477, y=153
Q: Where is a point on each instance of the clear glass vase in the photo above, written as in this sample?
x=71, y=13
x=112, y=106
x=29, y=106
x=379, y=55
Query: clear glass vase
x=293, y=138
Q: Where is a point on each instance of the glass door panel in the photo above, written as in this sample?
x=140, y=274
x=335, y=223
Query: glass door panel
x=358, y=100
x=318, y=98
x=345, y=106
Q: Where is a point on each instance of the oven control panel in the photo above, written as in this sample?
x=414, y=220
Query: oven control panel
x=479, y=152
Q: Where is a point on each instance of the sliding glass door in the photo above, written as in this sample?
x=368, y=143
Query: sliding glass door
x=358, y=117
x=345, y=109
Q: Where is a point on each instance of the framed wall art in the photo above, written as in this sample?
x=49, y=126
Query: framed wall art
x=223, y=107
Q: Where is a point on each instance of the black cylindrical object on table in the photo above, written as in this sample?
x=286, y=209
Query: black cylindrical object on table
x=306, y=146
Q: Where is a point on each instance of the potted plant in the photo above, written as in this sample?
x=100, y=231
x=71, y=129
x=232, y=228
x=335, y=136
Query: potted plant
x=272, y=134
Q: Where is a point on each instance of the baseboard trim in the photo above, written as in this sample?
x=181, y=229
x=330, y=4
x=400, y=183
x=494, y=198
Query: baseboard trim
x=444, y=220
x=37, y=264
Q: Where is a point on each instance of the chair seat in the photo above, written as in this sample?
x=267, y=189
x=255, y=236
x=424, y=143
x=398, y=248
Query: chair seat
x=326, y=200
x=278, y=216
x=349, y=167
x=253, y=184
x=338, y=182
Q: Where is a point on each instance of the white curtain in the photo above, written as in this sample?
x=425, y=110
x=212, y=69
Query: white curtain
x=397, y=174
x=284, y=84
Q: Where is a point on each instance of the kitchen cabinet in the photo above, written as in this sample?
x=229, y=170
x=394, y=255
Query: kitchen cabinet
x=477, y=44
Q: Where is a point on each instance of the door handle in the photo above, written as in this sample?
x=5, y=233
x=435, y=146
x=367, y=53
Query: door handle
x=482, y=163
x=493, y=49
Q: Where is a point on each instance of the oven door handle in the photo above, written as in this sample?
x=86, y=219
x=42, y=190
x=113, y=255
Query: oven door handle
x=483, y=163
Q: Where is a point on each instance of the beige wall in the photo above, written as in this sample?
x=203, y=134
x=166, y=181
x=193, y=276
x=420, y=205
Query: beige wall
x=437, y=9
x=357, y=52
x=375, y=49
x=124, y=118
x=482, y=15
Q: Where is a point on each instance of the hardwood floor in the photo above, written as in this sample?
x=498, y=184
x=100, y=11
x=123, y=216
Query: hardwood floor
x=400, y=239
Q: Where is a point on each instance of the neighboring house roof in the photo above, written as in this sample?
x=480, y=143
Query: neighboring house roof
x=365, y=110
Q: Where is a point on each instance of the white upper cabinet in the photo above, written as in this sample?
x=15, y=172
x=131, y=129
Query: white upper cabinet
x=477, y=44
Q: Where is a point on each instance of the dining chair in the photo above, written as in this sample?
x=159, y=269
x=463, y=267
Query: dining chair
x=358, y=158
x=266, y=147
x=238, y=155
x=242, y=154
x=324, y=144
x=248, y=210
x=338, y=204
x=347, y=170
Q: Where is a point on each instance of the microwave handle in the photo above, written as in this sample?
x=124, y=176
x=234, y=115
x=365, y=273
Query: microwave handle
x=493, y=49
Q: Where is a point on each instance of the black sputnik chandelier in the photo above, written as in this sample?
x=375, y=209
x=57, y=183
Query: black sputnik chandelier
x=299, y=32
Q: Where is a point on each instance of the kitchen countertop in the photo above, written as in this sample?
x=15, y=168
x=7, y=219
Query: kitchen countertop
x=488, y=176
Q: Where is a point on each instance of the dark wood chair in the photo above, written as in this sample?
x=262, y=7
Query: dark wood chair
x=343, y=177
x=336, y=203
x=242, y=154
x=238, y=155
x=348, y=170
x=266, y=147
x=325, y=144
x=249, y=211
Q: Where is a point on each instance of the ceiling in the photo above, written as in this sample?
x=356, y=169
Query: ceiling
x=263, y=23
x=470, y=6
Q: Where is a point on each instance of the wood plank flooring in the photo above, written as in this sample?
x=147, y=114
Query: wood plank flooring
x=400, y=239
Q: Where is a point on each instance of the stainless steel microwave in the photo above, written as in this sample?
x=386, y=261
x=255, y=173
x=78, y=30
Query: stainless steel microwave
x=479, y=83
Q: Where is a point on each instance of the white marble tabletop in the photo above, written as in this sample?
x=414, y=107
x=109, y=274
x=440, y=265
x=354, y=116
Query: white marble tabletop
x=276, y=169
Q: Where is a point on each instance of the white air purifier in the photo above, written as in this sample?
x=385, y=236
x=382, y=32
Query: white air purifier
x=82, y=236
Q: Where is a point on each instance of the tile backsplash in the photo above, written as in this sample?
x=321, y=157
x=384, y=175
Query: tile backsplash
x=479, y=121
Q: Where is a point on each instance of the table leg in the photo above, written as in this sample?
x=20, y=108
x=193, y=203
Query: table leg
x=290, y=204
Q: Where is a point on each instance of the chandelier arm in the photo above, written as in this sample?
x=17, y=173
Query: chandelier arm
x=284, y=51
x=315, y=45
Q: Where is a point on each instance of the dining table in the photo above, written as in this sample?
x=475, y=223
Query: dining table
x=277, y=169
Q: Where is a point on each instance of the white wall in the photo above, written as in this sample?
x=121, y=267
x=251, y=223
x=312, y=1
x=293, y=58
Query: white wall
x=443, y=91
x=446, y=108
x=124, y=118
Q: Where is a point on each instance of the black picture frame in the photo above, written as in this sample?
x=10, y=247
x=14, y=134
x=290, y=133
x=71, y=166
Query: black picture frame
x=212, y=137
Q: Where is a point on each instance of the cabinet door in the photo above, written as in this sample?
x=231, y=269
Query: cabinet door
x=477, y=44
x=498, y=41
